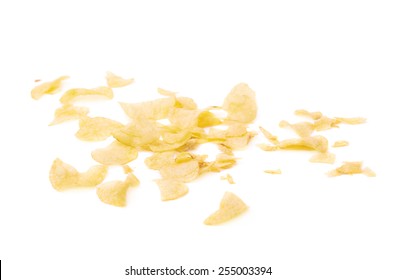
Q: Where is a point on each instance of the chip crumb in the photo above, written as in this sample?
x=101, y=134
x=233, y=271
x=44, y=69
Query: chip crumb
x=37, y=80
x=268, y=148
x=115, y=81
x=171, y=189
x=229, y=178
x=230, y=207
x=323, y=158
x=273, y=171
x=340, y=143
x=48, y=87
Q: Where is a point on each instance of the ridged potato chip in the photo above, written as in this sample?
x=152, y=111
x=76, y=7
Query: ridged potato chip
x=48, y=88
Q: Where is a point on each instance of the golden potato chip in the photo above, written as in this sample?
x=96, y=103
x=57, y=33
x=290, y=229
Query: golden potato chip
x=115, y=154
x=223, y=161
x=184, y=172
x=114, y=81
x=230, y=207
x=63, y=176
x=155, y=110
x=76, y=94
x=229, y=178
x=268, y=148
x=303, y=129
x=351, y=120
x=240, y=104
x=69, y=112
x=311, y=115
x=325, y=123
x=341, y=143
x=350, y=168
x=323, y=158
x=127, y=169
x=139, y=133
x=318, y=143
x=48, y=87
x=97, y=128
x=185, y=103
x=207, y=118
x=273, y=139
x=273, y=171
x=171, y=189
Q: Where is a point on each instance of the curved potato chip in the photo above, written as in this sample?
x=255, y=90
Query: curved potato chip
x=318, y=143
x=352, y=121
x=69, y=112
x=74, y=94
x=228, y=178
x=156, y=110
x=139, y=133
x=311, y=115
x=323, y=158
x=268, y=148
x=184, y=172
x=159, y=160
x=97, y=128
x=341, y=143
x=273, y=139
x=207, y=118
x=185, y=102
x=325, y=123
x=63, y=176
x=350, y=168
x=127, y=169
x=114, y=81
x=171, y=189
x=115, y=154
x=48, y=87
x=230, y=207
x=273, y=171
x=167, y=93
x=303, y=129
x=240, y=104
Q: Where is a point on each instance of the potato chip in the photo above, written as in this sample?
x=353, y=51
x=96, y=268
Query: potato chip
x=369, y=172
x=184, y=118
x=114, y=81
x=184, y=172
x=350, y=168
x=341, y=143
x=351, y=121
x=325, y=123
x=311, y=115
x=229, y=178
x=318, y=143
x=127, y=169
x=139, y=133
x=77, y=94
x=115, y=154
x=240, y=104
x=303, y=129
x=63, y=176
x=171, y=189
x=273, y=171
x=185, y=103
x=273, y=139
x=97, y=128
x=48, y=87
x=207, y=118
x=161, y=159
x=155, y=110
x=230, y=207
x=69, y=112
x=323, y=158
x=268, y=148
x=167, y=93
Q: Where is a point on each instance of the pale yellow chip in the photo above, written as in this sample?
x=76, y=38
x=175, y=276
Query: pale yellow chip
x=139, y=133
x=350, y=168
x=115, y=154
x=161, y=159
x=77, y=94
x=240, y=104
x=352, y=121
x=171, y=189
x=114, y=81
x=273, y=139
x=69, y=112
x=230, y=207
x=48, y=88
x=185, y=103
x=325, y=123
x=228, y=178
x=63, y=176
x=207, y=118
x=97, y=128
x=341, y=143
x=273, y=171
x=318, y=143
x=323, y=158
x=268, y=148
x=303, y=129
x=311, y=115
x=167, y=93
x=184, y=172
x=155, y=110
x=127, y=169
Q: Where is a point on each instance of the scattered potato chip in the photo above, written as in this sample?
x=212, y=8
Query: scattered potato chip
x=350, y=168
x=323, y=158
x=268, y=148
x=167, y=93
x=351, y=120
x=273, y=171
x=318, y=143
x=171, y=189
x=185, y=103
x=76, y=94
x=273, y=139
x=325, y=123
x=115, y=154
x=139, y=133
x=155, y=110
x=114, y=81
x=184, y=172
x=311, y=115
x=48, y=87
x=63, y=176
x=97, y=128
x=69, y=112
x=230, y=207
x=161, y=159
x=303, y=129
x=206, y=119
x=229, y=178
x=241, y=104
x=127, y=169
x=341, y=143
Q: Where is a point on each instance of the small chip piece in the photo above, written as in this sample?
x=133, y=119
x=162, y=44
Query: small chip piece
x=350, y=168
x=69, y=112
x=114, y=81
x=303, y=129
x=323, y=158
x=97, y=128
x=48, y=87
x=325, y=123
x=230, y=207
x=318, y=143
x=352, y=121
x=229, y=178
x=63, y=176
x=115, y=192
x=171, y=189
x=75, y=94
x=167, y=93
x=311, y=115
x=273, y=171
x=268, y=148
x=273, y=139
x=115, y=154
x=240, y=104
x=127, y=169
x=341, y=143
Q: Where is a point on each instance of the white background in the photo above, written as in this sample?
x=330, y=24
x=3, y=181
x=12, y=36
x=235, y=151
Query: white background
x=333, y=56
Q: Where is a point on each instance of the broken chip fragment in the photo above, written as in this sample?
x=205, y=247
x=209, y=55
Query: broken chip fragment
x=48, y=87
x=115, y=81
